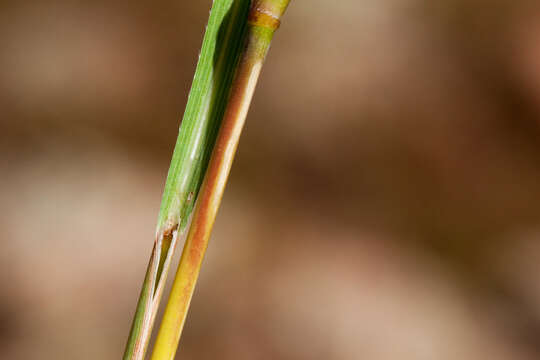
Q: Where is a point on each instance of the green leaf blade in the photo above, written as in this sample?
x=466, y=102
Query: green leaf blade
x=206, y=103
x=221, y=48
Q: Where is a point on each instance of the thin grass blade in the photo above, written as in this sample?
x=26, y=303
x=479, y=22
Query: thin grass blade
x=263, y=19
x=204, y=110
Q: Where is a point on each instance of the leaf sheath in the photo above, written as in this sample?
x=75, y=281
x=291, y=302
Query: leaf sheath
x=204, y=110
x=263, y=20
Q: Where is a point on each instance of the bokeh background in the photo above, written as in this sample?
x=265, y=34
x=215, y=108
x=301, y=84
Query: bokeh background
x=384, y=203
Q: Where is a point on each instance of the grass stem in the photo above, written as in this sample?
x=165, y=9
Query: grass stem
x=263, y=19
x=218, y=60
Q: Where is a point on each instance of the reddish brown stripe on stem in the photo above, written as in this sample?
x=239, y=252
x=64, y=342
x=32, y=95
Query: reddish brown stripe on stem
x=260, y=17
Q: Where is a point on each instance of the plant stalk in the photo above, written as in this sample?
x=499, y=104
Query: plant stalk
x=219, y=57
x=263, y=19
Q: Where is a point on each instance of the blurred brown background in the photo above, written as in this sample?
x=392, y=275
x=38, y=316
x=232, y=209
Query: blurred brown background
x=384, y=204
